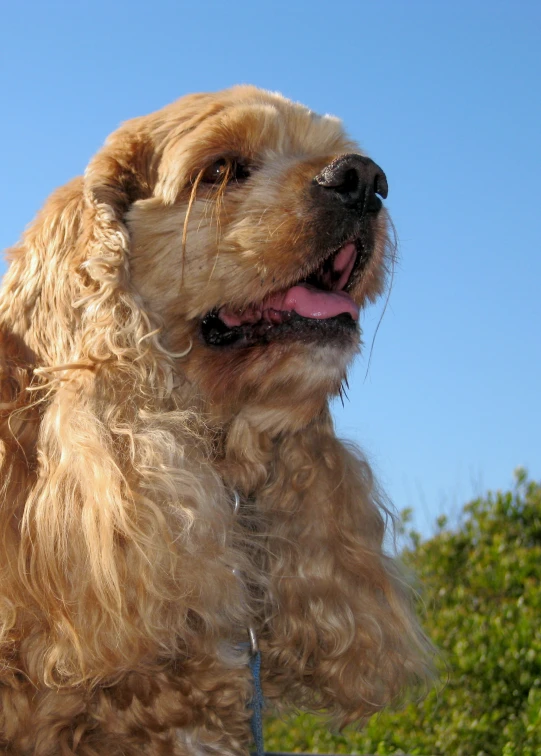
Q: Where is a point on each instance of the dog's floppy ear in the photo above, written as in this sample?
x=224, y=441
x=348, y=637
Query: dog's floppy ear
x=117, y=176
x=341, y=634
x=121, y=172
x=119, y=479
x=113, y=321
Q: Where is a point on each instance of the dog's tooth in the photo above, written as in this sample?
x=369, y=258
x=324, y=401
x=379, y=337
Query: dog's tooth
x=272, y=316
x=250, y=315
x=231, y=319
x=275, y=316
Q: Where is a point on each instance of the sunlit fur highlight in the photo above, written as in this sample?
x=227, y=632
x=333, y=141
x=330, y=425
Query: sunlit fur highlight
x=124, y=439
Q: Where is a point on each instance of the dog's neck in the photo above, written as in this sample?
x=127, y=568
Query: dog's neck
x=247, y=435
x=249, y=444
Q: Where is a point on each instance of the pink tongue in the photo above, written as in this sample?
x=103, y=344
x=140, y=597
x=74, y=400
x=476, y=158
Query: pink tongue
x=310, y=302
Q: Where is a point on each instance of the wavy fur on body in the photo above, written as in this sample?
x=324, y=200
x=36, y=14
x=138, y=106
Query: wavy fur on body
x=125, y=436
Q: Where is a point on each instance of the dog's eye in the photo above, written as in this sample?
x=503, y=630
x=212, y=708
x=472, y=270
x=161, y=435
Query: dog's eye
x=215, y=172
x=232, y=170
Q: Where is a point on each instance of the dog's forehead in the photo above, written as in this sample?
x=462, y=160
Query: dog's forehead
x=279, y=126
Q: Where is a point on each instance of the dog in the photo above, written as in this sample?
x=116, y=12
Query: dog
x=172, y=327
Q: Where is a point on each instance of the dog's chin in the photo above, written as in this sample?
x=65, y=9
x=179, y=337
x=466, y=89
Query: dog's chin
x=281, y=384
x=284, y=372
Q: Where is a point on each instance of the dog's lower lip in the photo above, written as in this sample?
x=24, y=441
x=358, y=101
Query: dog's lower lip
x=280, y=327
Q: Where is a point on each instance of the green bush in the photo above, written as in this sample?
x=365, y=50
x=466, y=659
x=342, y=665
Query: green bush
x=482, y=604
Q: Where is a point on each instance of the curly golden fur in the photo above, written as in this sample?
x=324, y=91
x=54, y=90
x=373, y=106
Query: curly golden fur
x=126, y=433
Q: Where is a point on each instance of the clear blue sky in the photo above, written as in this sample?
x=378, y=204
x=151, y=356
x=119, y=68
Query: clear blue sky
x=444, y=95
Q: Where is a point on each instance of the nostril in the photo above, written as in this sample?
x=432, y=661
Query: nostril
x=350, y=182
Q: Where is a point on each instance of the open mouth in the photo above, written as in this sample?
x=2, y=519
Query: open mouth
x=315, y=308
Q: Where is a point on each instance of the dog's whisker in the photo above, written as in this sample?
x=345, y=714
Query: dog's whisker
x=392, y=256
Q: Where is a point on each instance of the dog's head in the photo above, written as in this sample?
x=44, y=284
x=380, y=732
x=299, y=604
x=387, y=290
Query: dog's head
x=256, y=234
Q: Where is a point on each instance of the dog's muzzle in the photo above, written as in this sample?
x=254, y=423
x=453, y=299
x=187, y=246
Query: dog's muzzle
x=355, y=181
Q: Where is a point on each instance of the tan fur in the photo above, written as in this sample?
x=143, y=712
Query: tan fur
x=125, y=438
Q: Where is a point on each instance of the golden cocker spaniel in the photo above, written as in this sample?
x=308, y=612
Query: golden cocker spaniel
x=172, y=326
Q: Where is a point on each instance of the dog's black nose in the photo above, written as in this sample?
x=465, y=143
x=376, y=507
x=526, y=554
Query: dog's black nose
x=356, y=181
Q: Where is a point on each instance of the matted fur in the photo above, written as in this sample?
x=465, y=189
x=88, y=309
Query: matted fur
x=125, y=438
